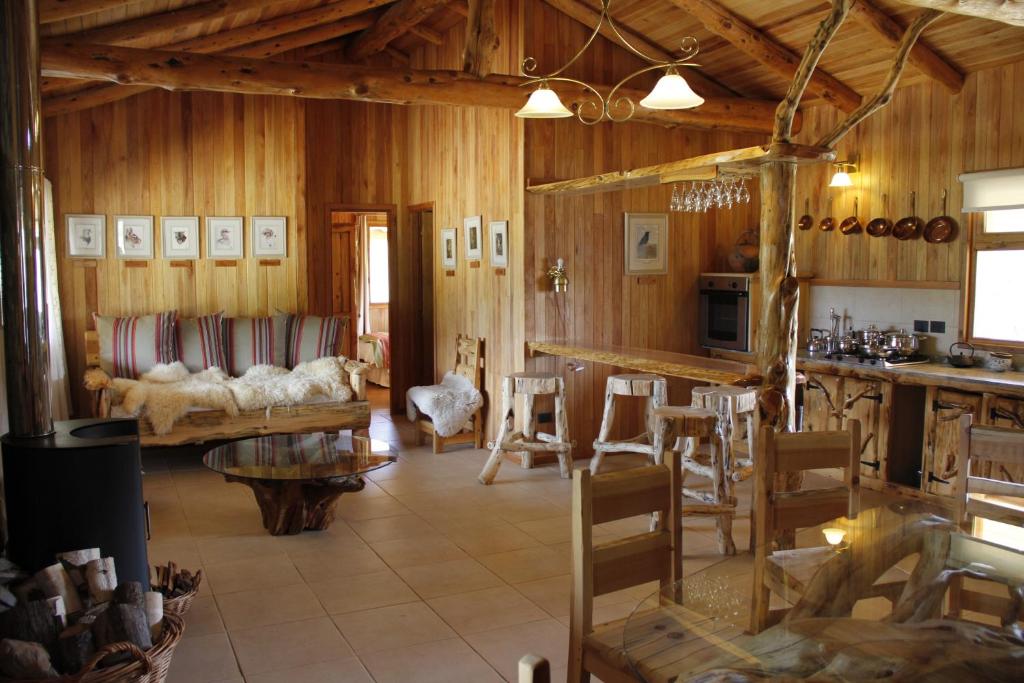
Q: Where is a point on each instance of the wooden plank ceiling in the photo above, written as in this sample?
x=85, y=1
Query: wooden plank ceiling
x=857, y=57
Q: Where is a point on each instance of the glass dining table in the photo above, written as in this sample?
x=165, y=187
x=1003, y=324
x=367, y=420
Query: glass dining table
x=699, y=629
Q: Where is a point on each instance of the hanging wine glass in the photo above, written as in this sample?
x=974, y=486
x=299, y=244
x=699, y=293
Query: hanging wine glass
x=744, y=193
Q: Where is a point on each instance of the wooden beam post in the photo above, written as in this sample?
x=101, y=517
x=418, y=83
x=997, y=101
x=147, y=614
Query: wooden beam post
x=481, y=38
x=399, y=18
x=768, y=52
x=921, y=56
x=1004, y=11
x=190, y=71
x=910, y=36
x=586, y=15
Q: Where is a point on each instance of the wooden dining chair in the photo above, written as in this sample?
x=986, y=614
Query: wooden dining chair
x=984, y=449
x=621, y=563
x=787, y=572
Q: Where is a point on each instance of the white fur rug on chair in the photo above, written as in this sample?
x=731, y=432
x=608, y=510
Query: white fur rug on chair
x=449, y=405
x=168, y=391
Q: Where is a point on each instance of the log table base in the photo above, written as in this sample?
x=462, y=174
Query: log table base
x=289, y=506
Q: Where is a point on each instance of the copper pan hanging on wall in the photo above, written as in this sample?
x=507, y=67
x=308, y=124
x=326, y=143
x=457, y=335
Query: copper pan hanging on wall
x=807, y=220
x=851, y=224
x=881, y=226
x=827, y=224
x=909, y=227
x=941, y=229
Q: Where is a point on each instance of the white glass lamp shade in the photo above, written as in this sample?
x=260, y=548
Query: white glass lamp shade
x=834, y=536
x=840, y=179
x=672, y=92
x=543, y=104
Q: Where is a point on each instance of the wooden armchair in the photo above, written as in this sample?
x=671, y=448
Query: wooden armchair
x=469, y=363
x=621, y=563
x=989, y=499
x=788, y=572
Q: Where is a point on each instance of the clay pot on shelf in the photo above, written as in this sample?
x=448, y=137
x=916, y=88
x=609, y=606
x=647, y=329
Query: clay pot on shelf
x=744, y=255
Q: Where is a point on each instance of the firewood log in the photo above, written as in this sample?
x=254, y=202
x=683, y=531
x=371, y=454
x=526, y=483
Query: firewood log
x=80, y=557
x=58, y=610
x=121, y=623
x=20, y=659
x=75, y=646
x=130, y=593
x=54, y=581
x=30, y=621
x=102, y=578
x=155, y=613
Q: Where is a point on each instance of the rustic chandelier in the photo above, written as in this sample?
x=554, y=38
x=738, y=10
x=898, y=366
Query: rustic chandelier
x=671, y=91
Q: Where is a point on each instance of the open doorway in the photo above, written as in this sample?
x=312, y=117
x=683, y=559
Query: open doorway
x=421, y=230
x=361, y=290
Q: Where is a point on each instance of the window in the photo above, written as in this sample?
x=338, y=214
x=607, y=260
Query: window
x=995, y=310
x=378, y=265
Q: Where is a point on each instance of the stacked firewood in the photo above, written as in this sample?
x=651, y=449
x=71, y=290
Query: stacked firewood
x=172, y=582
x=63, y=614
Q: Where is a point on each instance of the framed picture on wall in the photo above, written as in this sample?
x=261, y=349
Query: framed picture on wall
x=87, y=235
x=270, y=236
x=224, y=237
x=646, y=243
x=474, y=237
x=133, y=237
x=449, y=247
x=181, y=236
x=499, y=243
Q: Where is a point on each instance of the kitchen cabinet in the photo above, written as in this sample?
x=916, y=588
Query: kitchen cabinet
x=869, y=401
x=943, y=408
x=822, y=396
x=1004, y=412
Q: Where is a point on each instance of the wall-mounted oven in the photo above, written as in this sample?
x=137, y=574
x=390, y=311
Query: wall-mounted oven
x=725, y=311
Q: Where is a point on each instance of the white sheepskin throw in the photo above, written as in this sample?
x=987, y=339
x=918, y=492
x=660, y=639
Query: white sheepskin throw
x=449, y=405
x=168, y=391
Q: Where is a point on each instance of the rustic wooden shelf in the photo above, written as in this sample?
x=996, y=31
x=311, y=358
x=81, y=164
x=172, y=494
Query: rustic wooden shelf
x=703, y=167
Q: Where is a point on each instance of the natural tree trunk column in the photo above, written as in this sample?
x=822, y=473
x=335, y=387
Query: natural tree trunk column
x=776, y=343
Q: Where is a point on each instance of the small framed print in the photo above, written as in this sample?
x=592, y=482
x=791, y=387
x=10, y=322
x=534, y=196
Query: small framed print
x=181, y=237
x=449, y=246
x=224, y=237
x=87, y=235
x=646, y=243
x=474, y=237
x=134, y=237
x=270, y=236
x=499, y=243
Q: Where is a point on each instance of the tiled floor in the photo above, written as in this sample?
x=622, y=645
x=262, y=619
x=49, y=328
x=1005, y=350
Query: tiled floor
x=426, y=575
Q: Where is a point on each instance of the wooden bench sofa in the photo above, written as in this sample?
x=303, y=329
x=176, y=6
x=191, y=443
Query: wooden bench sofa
x=199, y=426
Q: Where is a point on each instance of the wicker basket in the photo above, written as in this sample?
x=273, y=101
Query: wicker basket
x=181, y=604
x=145, y=667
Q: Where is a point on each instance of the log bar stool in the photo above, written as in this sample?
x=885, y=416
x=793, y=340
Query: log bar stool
x=529, y=441
x=690, y=424
x=651, y=387
x=740, y=404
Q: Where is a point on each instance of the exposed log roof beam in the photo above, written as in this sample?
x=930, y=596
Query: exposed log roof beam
x=397, y=21
x=189, y=71
x=768, y=52
x=427, y=34
x=460, y=7
x=59, y=10
x=1004, y=11
x=921, y=56
x=586, y=15
x=481, y=38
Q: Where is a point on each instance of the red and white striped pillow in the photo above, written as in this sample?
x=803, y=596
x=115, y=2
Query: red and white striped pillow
x=201, y=343
x=311, y=337
x=131, y=346
x=255, y=341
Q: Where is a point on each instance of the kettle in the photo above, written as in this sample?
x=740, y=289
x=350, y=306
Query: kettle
x=959, y=360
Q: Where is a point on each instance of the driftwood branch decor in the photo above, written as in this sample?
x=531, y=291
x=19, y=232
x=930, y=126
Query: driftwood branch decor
x=1004, y=11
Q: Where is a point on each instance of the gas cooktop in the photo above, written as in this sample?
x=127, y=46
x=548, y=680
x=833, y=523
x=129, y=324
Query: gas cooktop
x=875, y=361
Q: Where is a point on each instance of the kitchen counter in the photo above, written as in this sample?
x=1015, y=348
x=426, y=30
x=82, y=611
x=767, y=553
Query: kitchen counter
x=977, y=380
x=683, y=365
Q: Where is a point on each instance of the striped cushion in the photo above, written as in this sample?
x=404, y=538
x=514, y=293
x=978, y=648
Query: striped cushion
x=311, y=337
x=201, y=342
x=131, y=346
x=254, y=341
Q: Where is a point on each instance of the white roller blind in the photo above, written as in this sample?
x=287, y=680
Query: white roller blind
x=993, y=190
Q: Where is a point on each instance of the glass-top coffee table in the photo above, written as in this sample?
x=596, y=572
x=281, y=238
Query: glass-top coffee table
x=297, y=478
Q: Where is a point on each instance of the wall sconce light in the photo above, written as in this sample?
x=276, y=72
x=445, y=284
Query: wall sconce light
x=559, y=280
x=834, y=536
x=841, y=178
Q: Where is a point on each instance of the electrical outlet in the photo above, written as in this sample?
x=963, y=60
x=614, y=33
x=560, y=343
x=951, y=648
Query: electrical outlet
x=938, y=327
x=544, y=417
x=920, y=326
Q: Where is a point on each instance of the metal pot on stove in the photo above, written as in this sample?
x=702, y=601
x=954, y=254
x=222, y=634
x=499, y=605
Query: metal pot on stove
x=817, y=343
x=871, y=340
x=902, y=344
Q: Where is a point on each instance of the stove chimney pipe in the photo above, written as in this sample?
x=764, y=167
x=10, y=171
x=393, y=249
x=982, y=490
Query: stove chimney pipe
x=26, y=342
